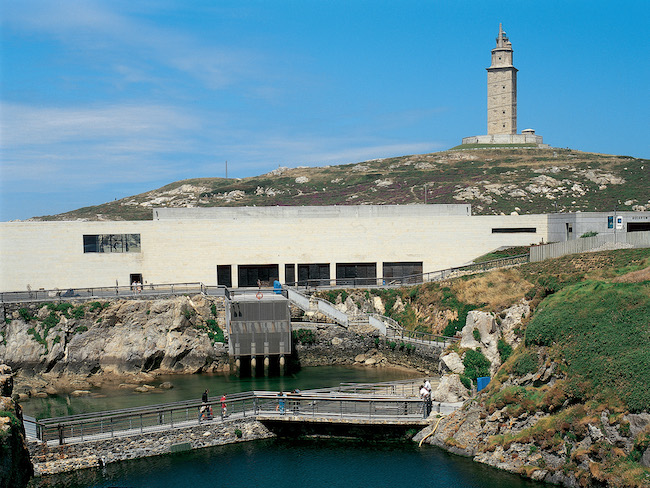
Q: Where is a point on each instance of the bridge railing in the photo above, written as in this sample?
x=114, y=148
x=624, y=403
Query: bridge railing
x=95, y=293
x=365, y=403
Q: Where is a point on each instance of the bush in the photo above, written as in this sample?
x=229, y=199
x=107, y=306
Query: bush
x=477, y=335
x=78, y=312
x=392, y=345
x=505, y=350
x=524, y=364
x=304, y=336
x=476, y=364
x=26, y=314
x=589, y=234
x=80, y=329
x=601, y=331
x=239, y=433
x=467, y=383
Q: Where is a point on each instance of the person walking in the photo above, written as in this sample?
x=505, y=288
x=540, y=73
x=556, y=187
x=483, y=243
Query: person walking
x=224, y=406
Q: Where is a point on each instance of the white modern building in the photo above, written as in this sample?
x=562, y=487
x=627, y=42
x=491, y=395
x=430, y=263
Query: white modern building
x=236, y=246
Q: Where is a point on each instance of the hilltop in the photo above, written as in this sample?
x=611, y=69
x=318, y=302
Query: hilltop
x=494, y=181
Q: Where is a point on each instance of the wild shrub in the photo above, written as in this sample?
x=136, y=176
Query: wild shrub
x=476, y=364
x=304, y=336
x=505, y=350
x=601, y=331
x=25, y=314
x=526, y=363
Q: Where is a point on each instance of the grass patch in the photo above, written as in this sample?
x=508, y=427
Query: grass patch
x=304, y=336
x=601, y=330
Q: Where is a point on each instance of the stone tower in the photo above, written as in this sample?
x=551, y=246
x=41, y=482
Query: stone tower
x=502, y=89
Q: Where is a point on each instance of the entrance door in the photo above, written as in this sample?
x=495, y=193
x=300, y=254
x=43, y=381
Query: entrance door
x=135, y=278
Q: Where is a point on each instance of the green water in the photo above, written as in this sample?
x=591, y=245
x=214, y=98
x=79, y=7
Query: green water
x=312, y=463
x=188, y=387
x=297, y=463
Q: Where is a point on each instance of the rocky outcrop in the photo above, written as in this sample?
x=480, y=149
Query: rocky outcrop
x=114, y=339
x=15, y=466
x=332, y=345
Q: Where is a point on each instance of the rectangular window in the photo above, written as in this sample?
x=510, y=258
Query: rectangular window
x=356, y=273
x=290, y=274
x=514, y=230
x=224, y=275
x=250, y=274
x=315, y=273
x=399, y=270
x=112, y=243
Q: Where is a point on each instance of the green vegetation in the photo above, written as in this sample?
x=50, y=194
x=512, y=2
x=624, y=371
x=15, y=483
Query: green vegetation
x=476, y=364
x=503, y=253
x=477, y=335
x=514, y=166
x=505, y=350
x=213, y=330
x=304, y=336
x=26, y=315
x=81, y=329
x=98, y=306
x=589, y=234
x=601, y=329
x=525, y=363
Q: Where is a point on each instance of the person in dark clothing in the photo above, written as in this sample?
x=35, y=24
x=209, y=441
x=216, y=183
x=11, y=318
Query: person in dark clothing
x=204, y=398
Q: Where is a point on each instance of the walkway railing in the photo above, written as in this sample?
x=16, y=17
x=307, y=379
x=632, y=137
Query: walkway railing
x=393, y=401
x=98, y=293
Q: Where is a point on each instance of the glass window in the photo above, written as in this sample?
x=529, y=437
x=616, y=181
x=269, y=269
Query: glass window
x=112, y=243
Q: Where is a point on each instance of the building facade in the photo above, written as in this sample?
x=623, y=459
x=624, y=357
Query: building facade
x=236, y=246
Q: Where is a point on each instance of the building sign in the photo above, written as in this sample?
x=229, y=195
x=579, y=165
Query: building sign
x=619, y=223
x=610, y=222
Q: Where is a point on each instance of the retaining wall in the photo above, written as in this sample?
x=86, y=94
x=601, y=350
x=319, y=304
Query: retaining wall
x=51, y=459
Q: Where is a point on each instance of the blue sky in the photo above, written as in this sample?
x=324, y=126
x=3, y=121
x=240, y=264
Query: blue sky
x=104, y=99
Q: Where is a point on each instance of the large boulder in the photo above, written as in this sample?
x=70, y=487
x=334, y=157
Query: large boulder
x=452, y=363
x=450, y=390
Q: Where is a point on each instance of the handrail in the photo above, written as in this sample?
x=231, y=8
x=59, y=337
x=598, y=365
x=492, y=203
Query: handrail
x=390, y=400
x=106, y=292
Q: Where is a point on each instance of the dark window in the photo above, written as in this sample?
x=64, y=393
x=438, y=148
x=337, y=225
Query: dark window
x=290, y=274
x=224, y=275
x=112, y=243
x=514, y=230
x=398, y=270
x=311, y=272
x=249, y=274
x=638, y=226
x=356, y=273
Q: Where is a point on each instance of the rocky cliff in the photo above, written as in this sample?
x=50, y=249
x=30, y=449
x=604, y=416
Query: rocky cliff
x=15, y=466
x=570, y=403
x=74, y=345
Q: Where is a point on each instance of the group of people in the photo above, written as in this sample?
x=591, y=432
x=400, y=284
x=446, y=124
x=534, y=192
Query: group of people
x=425, y=395
x=136, y=287
x=282, y=397
x=205, y=412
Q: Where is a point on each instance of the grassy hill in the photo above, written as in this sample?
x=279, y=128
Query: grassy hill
x=493, y=181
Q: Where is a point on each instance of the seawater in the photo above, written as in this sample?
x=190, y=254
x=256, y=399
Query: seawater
x=188, y=387
x=294, y=463
x=313, y=463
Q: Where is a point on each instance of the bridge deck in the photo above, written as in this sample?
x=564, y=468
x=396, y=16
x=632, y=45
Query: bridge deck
x=374, y=406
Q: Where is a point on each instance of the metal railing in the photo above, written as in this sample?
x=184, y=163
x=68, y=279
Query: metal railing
x=397, y=402
x=97, y=293
x=410, y=279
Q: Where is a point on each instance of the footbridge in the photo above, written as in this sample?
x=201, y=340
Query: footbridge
x=346, y=410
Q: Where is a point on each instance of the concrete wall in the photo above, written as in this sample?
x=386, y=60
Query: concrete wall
x=604, y=241
x=583, y=222
x=51, y=255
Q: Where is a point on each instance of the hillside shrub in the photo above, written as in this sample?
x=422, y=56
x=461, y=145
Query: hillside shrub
x=25, y=314
x=304, y=336
x=476, y=364
x=505, y=350
x=601, y=330
x=526, y=363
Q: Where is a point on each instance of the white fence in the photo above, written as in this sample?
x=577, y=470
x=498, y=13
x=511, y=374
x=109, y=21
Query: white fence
x=606, y=241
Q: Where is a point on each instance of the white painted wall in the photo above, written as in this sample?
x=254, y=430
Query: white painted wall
x=50, y=254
